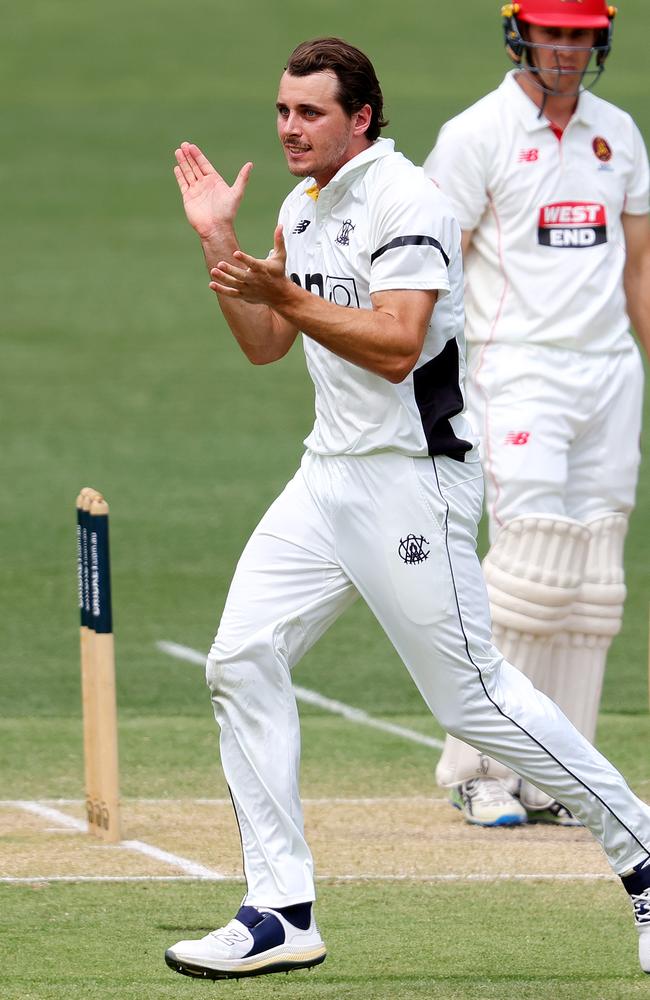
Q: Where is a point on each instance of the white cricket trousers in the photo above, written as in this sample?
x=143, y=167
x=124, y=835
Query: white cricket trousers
x=400, y=532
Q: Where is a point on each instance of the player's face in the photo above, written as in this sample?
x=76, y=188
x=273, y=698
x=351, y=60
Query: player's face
x=563, y=57
x=317, y=135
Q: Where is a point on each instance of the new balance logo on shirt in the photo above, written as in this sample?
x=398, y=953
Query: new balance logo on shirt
x=517, y=437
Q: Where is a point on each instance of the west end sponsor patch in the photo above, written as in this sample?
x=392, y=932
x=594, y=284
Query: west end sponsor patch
x=572, y=224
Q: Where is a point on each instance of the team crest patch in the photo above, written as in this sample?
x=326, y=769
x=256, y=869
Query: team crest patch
x=602, y=149
x=343, y=236
x=412, y=549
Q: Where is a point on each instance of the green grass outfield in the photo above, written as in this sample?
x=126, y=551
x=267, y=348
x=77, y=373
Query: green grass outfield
x=387, y=942
x=117, y=372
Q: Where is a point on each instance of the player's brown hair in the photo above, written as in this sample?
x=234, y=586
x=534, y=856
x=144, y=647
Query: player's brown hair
x=358, y=83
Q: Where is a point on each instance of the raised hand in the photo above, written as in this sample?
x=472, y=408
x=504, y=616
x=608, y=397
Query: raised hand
x=209, y=202
x=256, y=281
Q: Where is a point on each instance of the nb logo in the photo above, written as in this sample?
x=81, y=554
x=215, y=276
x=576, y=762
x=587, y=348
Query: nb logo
x=301, y=226
x=343, y=236
x=517, y=437
x=232, y=937
x=528, y=156
x=412, y=549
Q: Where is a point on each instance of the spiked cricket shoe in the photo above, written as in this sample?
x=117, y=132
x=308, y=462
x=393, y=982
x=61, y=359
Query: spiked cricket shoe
x=637, y=883
x=487, y=802
x=256, y=942
x=556, y=814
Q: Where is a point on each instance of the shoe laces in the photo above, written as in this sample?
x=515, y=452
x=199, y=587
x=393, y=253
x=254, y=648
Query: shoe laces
x=560, y=811
x=641, y=904
x=487, y=790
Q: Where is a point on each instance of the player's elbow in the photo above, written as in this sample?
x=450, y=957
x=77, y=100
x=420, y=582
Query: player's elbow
x=399, y=368
x=264, y=354
x=401, y=360
x=258, y=358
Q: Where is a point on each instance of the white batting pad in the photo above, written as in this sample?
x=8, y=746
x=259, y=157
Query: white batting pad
x=533, y=573
x=580, y=653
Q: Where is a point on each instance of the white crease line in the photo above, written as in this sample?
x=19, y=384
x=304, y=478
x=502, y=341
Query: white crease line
x=189, y=867
x=175, y=860
x=313, y=698
x=30, y=880
x=482, y=877
x=45, y=812
x=385, y=800
x=497, y=877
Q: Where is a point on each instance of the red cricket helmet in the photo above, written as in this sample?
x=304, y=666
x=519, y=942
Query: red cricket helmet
x=596, y=15
x=564, y=13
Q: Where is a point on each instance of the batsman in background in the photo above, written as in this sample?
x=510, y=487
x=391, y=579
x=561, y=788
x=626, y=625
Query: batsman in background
x=550, y=186
x=367, y=265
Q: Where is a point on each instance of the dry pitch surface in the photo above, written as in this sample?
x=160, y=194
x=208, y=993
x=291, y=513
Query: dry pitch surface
x=414, y=838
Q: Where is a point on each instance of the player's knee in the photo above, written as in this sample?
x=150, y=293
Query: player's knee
x=598, y=609
x=455, y=718
x=231, y=679
x=245, y=665
x=225, y=669
x=533, y=572
x=213, y=674
x=232, y=650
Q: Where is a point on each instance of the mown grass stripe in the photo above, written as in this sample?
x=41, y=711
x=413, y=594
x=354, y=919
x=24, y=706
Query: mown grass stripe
x=320, y=701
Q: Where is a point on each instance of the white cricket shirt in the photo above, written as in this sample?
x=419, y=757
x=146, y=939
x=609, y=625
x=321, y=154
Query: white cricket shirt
x=548, y=251
x=381, y=224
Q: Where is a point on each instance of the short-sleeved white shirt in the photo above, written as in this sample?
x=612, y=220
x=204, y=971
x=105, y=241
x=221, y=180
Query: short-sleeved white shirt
x=381, y=224
x=548, y=251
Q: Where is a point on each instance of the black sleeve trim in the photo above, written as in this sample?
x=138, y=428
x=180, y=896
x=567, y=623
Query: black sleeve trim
x=403, y=241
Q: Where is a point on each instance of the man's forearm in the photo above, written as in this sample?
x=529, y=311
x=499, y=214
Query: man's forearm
x=379, y=339
x=252, y=325
x=636, y=276
x=637, y=293
x=385, y=339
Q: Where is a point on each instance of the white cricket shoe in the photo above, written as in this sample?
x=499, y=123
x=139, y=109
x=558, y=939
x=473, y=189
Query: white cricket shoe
x=541, y=808
x=637, y=883
x=556, y=814
x=487, y=802
x=257, y=941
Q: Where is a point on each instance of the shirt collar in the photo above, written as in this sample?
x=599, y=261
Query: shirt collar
x=528, y=112
x=379, y=148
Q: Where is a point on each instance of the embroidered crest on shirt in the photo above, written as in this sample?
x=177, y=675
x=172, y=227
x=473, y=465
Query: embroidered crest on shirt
x=412, y=549
x=602, y=149
x=343, y=236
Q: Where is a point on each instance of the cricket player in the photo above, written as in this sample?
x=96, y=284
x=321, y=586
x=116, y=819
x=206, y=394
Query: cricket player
x=550, y=185
x=366, y=264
